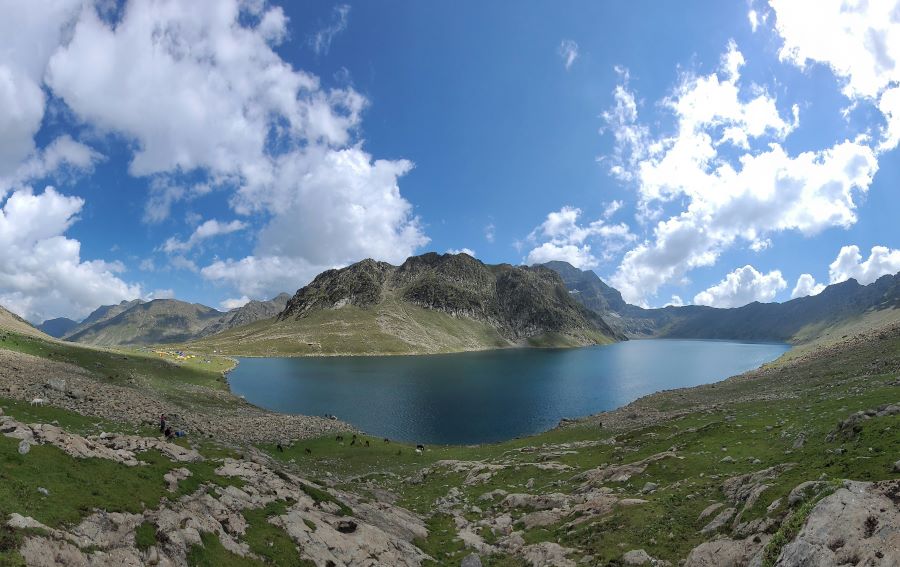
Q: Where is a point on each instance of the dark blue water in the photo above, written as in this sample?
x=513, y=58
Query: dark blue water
x=487, y=396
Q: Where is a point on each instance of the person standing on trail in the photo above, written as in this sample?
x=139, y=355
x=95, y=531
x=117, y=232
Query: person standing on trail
x=162, y=423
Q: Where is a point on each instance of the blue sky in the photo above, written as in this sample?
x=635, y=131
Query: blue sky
x=709, y=152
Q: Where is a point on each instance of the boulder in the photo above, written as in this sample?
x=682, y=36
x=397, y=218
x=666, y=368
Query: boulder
x=859, y=524
x=728, y=552
x=637, y=557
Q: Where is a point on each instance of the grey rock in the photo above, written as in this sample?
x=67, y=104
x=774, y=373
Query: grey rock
x=858, y=524
x=637, y=557
x=471, y=561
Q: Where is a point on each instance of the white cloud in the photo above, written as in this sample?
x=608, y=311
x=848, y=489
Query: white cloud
x=208, y=229
x=806, y=285
x=490, y=232
x=200, y=93
x=611, y=208
x=160, y=294
x=676, y=301
x=568, y=50
x=28, y=37
x=42, y=274
x=849, y=264
x=858, y=40
x=560, y=237
x=753, y=17
x=468, y=251
x=257, y=276
x=725, y=165
x=62, y=155
x=234, y=302
x=742, y=286
x=321, y=40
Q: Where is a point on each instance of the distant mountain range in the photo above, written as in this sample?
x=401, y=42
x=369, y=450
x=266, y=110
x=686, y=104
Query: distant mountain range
x=795, y=320
x=430, y=303
x=449, y=303
x=141, y=322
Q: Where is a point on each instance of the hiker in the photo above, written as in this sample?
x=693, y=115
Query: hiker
x=162, y=423
x=169, y=433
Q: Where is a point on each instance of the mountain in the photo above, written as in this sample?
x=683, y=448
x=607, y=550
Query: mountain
x=57, y=327
x=157, y=321
x=252, y=312
x=101, y=314
x=430, y=303
x=797, y=320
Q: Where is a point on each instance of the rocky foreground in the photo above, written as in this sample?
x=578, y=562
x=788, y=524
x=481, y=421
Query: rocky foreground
x=374, y=533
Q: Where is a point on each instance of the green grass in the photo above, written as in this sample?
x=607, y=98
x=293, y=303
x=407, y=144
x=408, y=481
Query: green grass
x=212, y=554
x=393, y=327
x=145, y=536
x=128, y=367
x=270, y=541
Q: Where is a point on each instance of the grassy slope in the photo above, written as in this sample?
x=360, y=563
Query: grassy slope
x=137, y=368
x=391, y=328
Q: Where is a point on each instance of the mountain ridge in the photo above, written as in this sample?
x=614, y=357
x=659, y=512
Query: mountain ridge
x=794, y=321
x=430, y=303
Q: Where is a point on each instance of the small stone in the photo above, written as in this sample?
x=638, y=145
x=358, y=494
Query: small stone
x=24, y=447
x=649, y=487
x=728, y=459
x=471, y=561
x=43, y=491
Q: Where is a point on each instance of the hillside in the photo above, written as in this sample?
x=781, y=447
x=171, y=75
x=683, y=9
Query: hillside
x=157, y=321
x=252, y=312
x=57, y=327
x=798, y=320
x=101, y=314
x=431, y=303
x=9, y=321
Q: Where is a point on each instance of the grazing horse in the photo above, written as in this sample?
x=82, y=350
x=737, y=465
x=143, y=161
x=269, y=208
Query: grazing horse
x=37, y=402
x=308, y=451
x=386, y=440
x=367, y=442
x=420, y=448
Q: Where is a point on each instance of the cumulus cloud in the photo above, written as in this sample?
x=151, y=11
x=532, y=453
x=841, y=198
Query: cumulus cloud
x=208, y=229
x=468, y=251
x=725, y=166
x=42, y=274
x=850, y=264
x=568, y=50
x=209, y=107
x=561, y=237
x=742, y=286
x=858, y=40
x=806, y=285
x=28, y=37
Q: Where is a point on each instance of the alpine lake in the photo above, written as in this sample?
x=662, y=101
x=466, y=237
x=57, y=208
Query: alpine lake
x=488, y=396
